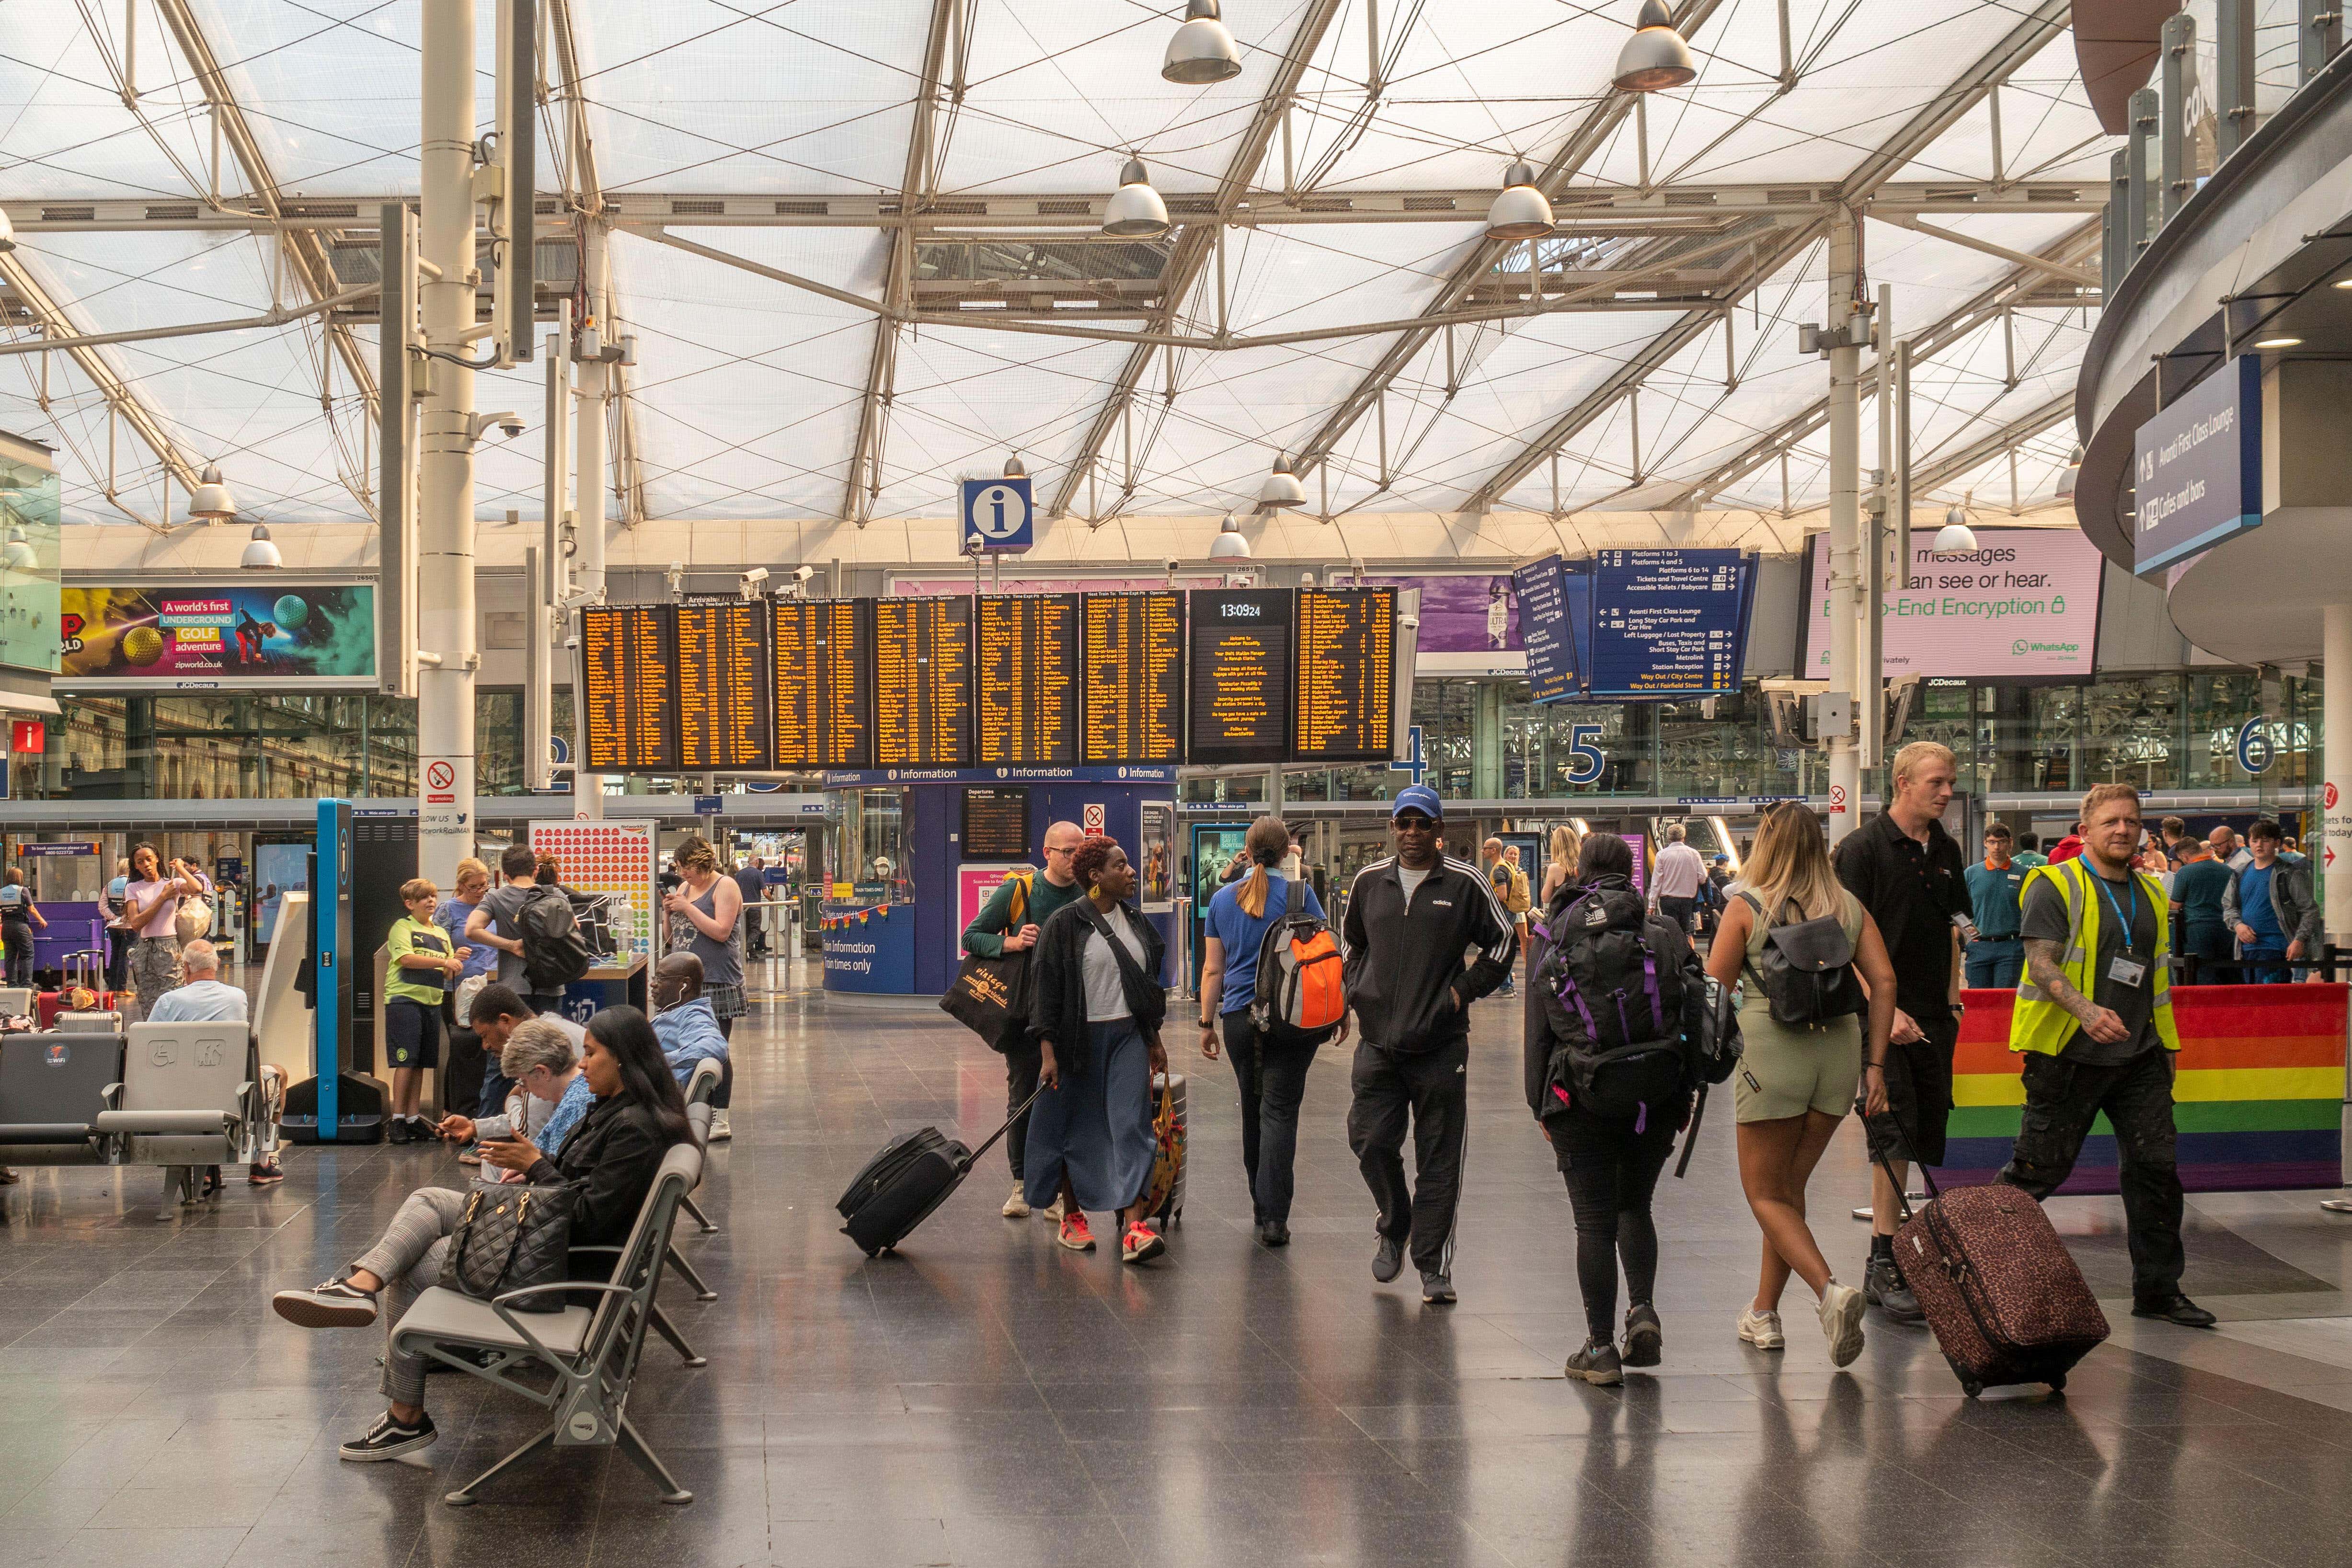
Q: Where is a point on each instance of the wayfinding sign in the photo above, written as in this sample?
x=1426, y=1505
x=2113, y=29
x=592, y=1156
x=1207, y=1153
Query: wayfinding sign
x=2196, y=468
x=999, y=513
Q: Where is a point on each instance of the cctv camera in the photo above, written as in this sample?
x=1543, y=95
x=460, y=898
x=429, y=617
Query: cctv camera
x=510, y=427
x=802, y=573
x=757, y=574
x=1175, y=563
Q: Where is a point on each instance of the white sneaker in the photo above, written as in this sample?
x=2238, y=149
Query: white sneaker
x=1054, y=1211
x=1017, y=1206
x=719, y=1131
x=1842, y=1309
x=1761, y=1330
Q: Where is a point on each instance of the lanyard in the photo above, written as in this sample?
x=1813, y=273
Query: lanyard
x=2116, y=904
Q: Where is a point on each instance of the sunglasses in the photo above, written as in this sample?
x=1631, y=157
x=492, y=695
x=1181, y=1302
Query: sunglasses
x=1414, y=822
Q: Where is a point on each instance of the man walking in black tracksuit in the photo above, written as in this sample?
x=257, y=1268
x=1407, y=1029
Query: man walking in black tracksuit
x=1411, y=920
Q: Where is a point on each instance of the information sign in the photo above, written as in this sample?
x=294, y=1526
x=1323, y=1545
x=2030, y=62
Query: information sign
x=999, y=513
x=1135, y=697
x=723, y=690
x=1343, y=698
x=922, y=682
x=1241, y=661
x=1545, y=632
x=2197, y=469
x=1026, y=675
x=1668, y=622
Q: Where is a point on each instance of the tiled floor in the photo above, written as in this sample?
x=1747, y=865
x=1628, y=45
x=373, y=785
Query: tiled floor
x=989, y=1398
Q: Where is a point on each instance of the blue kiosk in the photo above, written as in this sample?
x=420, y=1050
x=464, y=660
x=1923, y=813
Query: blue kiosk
x=894, y=917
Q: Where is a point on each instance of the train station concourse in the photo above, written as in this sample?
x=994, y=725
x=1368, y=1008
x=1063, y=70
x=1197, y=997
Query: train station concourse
x=935, y=783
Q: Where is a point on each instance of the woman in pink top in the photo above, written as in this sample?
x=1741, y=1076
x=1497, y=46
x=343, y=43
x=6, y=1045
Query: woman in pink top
x=152, y=912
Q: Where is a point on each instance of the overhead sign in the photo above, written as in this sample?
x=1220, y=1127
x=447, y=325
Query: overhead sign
x=999, y=513
x=1542, y=591
x=2256, y=750
x=1668, y=622
x=258, y=636
x=2023, y=606
x=2196, y=468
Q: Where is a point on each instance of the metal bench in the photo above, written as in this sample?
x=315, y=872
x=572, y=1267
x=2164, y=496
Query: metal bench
x=190, y=1099
x=54, y=1089
x=589, y=1354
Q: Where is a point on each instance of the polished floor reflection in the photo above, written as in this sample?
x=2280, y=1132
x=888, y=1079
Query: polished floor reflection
x=989, y=1398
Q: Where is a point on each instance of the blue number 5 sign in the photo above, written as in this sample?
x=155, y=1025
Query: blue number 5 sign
x=999, y=513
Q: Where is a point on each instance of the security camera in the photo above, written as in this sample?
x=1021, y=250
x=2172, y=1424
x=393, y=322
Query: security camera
x=802, y=573
x=510, y=425
x=754, y=582
x=1175, y=563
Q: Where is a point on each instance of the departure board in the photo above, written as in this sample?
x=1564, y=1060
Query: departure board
x=724, y=721
x=628, y=659
x=1241, y=674
x=824, y=682
x=1344, y=699
x=1134, y=677
x=1026, y=680
x=922, y=683
x=995, y=824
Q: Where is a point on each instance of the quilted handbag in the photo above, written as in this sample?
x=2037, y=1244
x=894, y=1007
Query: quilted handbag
x=509, y=1237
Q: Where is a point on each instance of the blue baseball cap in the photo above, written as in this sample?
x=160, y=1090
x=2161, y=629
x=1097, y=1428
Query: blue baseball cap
x=1418, y=798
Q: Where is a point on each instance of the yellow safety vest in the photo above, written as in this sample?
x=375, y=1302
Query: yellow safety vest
x=2038, y=1023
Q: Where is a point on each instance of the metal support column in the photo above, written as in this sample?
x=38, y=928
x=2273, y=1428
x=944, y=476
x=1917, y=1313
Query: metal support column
x=445, y=528
x=588, y=496
x=1845, y=512
x=2178, y=39
x=2336, y=753
x=2146, y=106
x=2115, y=254
x=2234, y=93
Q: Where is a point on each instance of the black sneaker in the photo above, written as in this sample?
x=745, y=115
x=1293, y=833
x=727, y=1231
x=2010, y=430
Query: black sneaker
x=395, y=1131
x=388, y=1439
x=1596, y=1362
x=1437, y=1289
x=2175, y=1308
x=1273, y=1233
x=1883, y=1287
x=1645, y=1337
x=337, y=1305
x=1388, y=1260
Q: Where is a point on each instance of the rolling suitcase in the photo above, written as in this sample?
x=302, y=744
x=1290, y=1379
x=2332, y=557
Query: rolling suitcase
x=2003, y=1296
x=911, y=1176
x=49, y=1004
x=107, y=1022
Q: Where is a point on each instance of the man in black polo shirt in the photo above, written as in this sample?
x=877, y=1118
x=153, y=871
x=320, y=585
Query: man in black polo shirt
x=1908, y=873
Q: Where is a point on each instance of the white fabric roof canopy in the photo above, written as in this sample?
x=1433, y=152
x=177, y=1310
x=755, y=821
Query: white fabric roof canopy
x=748, y=392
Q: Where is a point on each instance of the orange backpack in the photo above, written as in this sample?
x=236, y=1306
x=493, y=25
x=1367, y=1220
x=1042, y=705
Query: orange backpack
x=1298, y=997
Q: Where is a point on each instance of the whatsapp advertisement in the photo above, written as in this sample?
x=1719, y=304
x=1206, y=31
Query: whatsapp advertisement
x=2024, y=605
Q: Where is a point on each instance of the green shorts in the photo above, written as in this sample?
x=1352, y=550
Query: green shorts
x=1785, y=1072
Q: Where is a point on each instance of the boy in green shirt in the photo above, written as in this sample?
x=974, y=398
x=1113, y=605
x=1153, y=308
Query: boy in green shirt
x=421, y=955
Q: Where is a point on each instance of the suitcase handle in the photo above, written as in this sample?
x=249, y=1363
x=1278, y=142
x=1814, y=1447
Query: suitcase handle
x=1879, y=1156
x=973, y=1158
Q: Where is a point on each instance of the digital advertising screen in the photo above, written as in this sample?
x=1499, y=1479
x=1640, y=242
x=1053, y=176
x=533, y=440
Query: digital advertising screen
x=1134, y=673
x=824, y=682
x=628, y=659
x=1241, y=662
x=259, y=635
x=1026, y=679
x=1344, y=696
x=922, y=682
x=2023, y=606
x=724, y=721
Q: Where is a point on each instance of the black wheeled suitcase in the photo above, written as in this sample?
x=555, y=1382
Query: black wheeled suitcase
x=911, y=1176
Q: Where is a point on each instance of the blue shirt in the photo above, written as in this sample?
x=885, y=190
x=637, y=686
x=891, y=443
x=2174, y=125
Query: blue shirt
x=2256, y=909
x=450, y=916
x=1994, y=891
x=576, y=1103
x=1241, y=936
x=688, y=1033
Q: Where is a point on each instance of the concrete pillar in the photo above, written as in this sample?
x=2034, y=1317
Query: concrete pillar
x=445, y=493
x=1487, y=742
x=589, y=491
x=1846, y=517
x=2336, y=752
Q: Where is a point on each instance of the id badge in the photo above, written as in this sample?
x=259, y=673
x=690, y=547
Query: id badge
x=2126, y=971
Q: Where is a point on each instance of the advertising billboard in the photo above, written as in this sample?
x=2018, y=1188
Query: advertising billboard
x=255, y=636
x=2023, y=606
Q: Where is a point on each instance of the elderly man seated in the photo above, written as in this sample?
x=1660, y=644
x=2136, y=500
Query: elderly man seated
x=687, y=1028
x=206, y=998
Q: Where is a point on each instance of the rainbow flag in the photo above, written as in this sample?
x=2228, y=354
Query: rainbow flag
x=2258, y=1101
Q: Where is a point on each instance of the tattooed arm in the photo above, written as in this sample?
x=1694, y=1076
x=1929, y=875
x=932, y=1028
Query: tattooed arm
x=2043, y=966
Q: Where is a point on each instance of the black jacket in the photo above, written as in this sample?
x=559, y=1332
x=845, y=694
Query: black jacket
x=614, y=1152
x=1546, y=1022
x=1402, y=962
x=1057, y=992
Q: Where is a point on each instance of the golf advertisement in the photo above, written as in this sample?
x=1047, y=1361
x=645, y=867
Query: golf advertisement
x=194, y=638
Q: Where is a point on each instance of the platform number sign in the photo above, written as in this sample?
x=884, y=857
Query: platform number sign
x=999, y=514
x=2256, y=750
x=1585, y=762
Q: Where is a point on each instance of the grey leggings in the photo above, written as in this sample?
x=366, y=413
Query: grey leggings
x=407, y=1259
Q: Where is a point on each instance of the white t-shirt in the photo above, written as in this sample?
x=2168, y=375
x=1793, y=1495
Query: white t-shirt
x=1678, y=872
x=1105, y=997
x=1412, y=879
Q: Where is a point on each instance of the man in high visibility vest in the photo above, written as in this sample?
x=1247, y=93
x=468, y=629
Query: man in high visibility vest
x=2093, y=1021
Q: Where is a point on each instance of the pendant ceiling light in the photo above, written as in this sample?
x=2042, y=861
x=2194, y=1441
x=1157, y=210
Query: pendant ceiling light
x=211, y=501
x=18, y=555
x=1282, y=487
x=2071, y=473
x=1519, y=211
x=1229, y=544
x=1136, y=210
x=1202, y=51
x=1956, y=538
x=1654, y=57
x=261, y=552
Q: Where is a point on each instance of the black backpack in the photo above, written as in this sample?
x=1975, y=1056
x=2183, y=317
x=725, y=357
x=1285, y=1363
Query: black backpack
x=1625, y=1048
x=553, y=956
x=1806, y=968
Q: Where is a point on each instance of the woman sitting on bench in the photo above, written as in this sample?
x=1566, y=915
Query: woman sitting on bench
x=612, y=1154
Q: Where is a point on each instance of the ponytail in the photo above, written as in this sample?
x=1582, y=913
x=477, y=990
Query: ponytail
x=1254, y=889
x=1267, y=842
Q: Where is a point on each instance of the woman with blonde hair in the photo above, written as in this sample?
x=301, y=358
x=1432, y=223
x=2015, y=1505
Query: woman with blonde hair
x=1566, y=846
x=1796, y=1081
x=1272, y=1076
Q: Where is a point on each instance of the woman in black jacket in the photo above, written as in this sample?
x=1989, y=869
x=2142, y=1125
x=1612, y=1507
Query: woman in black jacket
x=609, y=1161
x=1094, y=1009
x=1611, y=1163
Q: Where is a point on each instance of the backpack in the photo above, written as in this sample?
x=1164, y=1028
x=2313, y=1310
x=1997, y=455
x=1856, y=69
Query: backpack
x=1625, y=1050
x=1807, y=970
x=1515, y=901
x=1299, y=998
x=553, y=956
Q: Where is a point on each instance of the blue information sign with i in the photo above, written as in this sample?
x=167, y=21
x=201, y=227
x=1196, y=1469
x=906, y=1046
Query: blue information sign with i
x=998, y=513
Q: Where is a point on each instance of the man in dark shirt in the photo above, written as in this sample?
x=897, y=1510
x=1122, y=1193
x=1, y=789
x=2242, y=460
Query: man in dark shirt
x=1996, y=958
x=1907, y=872
x=2097, y=1036
x=2199, y=889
